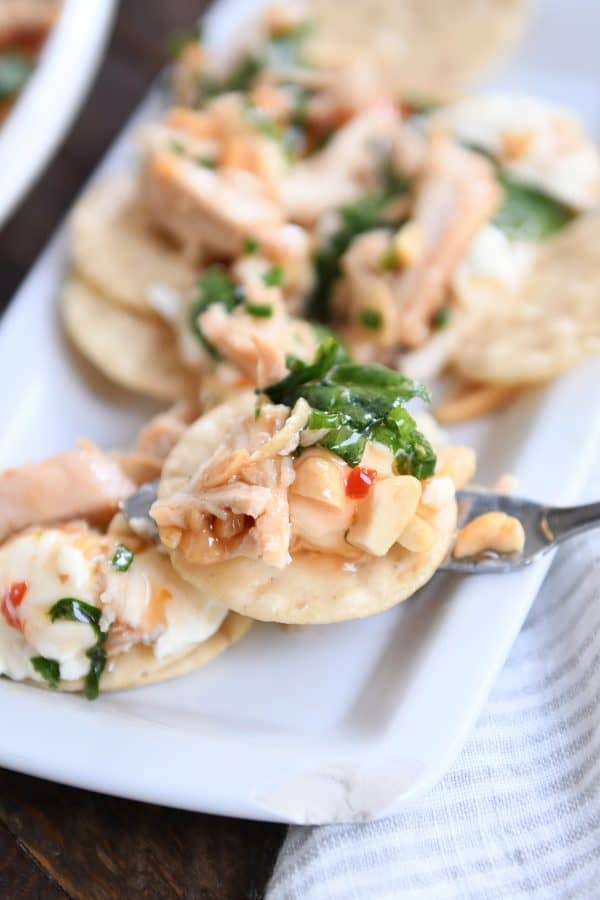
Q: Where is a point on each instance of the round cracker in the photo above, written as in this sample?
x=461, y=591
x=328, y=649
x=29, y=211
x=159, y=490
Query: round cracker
x=136, y=352
x=315, y=588
x=24, y=23
x=139, y=666
x=554, y=322
x=113, y=248
x=421, y=47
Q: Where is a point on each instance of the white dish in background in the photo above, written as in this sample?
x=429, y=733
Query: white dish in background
x=52, y=97
x=330, y=723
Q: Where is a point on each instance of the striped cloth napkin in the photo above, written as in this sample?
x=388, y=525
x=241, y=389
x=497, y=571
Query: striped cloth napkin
x=519, y=815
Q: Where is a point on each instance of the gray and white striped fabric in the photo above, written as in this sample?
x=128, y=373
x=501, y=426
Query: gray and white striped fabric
x=519, y=815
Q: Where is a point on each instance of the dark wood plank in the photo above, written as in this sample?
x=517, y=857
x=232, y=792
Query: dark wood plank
x=103, y=848
x=95, y=847
x=20, y=876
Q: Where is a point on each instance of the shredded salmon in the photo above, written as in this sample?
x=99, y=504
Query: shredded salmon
x=458, y=193
x=236, y=504
x=79, y=484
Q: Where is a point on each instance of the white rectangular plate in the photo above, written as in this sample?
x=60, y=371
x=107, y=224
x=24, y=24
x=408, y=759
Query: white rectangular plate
x=331, y=723
x=52, y=96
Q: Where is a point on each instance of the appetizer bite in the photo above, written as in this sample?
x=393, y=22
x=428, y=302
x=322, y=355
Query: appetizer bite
x=315, y=499
x=538, y=259
x=24, y=26
x=85, y=603
x=422, y=48
x=288, y=186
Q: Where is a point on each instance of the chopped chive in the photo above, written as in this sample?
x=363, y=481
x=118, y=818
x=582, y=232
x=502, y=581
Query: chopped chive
x=263, y=123
x=250, y=245
x=177, y=147
x=49, y=669
x=363, y=214
x=259, y=310
x=441, y=318
x=274, y=277
x=293, y=141
x=122, y=559
x=72, y=610
x=240, y=79
x=179, y=40
x=389, y=259
x=97, y=657
x=214, y=286
x=257, y=412
x=371, y=319
x=206, y=162
x=286, y=46
x=415, y=105
x=15, y=69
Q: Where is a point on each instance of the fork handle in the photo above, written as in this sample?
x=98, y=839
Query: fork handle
x=561, y=524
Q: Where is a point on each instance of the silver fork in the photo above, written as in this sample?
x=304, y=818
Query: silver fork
x=136, y=509
x=545, y=526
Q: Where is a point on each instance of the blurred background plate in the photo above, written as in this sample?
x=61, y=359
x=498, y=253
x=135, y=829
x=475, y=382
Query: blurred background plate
x=53, y=96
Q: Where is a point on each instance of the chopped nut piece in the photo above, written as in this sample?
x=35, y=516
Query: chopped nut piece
x=506, y=484
x=408, y=244
x=418, y=536
x=457, y=463
x=170, y=537
x=438, y=492
x=493, y=531
x=384, y=514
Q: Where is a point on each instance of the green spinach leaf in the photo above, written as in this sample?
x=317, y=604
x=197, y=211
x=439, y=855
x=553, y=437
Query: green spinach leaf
x=527, y=213
x=214, y=286
x=72, y=610
x=49, y=669
x=15, y=69
x=259, y=310
x=122, y=558
x=363, y=214
x=357, y=403
x=241, y=77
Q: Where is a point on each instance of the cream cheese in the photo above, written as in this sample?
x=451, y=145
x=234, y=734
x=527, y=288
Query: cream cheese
x=53, y=564
x=159, y=606
x=493, y=264
x=149, y=601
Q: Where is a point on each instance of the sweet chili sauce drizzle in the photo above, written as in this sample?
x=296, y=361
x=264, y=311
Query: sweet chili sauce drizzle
x=359, y=482
x=11, y=600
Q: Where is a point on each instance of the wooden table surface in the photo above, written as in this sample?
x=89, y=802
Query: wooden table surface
x=58, y=842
